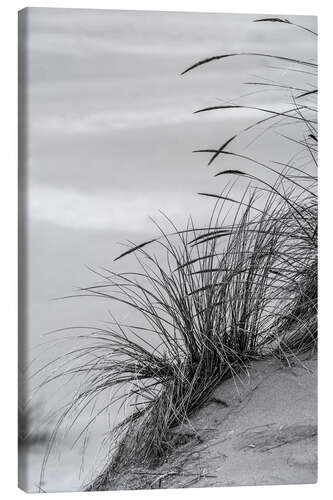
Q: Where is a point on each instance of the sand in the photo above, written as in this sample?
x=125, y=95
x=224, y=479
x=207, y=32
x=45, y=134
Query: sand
x=258, y=429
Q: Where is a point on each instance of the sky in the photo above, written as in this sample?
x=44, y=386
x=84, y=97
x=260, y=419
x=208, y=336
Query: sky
x=110, y=130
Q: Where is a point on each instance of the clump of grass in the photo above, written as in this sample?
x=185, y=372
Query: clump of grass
x=217, y=306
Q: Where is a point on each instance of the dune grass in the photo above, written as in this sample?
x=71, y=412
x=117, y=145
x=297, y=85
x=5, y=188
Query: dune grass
x=296, y=325
x=241, y=288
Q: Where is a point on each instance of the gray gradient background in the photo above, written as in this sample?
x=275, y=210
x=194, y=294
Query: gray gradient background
x=110, y=132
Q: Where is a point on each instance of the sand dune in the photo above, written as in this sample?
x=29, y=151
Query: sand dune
x=258, y=429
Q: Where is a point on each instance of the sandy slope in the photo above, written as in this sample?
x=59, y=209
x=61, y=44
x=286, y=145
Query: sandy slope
x=258, y=429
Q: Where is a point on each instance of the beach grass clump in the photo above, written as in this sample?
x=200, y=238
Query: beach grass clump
x=222, y=302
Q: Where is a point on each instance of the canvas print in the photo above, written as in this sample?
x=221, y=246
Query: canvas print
x=168, y=250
